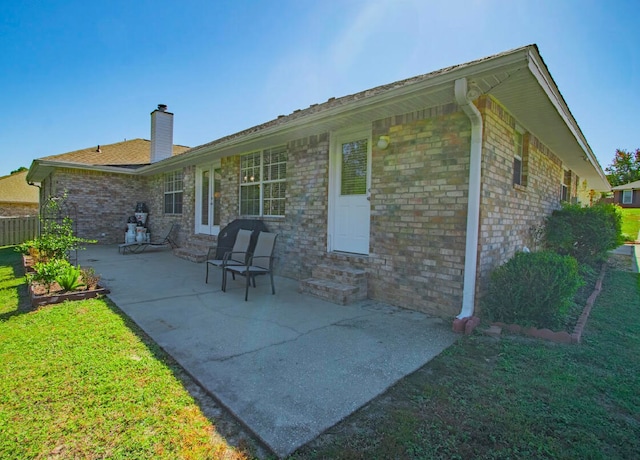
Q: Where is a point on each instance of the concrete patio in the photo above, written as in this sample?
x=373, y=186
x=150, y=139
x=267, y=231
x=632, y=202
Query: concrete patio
x=288, y=366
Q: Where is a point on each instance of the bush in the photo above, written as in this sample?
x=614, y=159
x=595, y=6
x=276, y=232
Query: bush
x=48, y=272
x=586, y=233
x=533, y=289
x=69, y=278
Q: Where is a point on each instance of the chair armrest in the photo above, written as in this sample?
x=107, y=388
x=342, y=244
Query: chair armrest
x=229, y=256
x=252, y=258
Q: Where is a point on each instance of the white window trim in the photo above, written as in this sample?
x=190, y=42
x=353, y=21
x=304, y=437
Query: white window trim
x=627, y=197
x=261, y=183
x=172, y=192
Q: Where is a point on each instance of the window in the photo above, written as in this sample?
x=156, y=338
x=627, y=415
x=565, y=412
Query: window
x=173, y=193
x=565, y=194
x=353, y=180
x=517, y=158
x=627, y=196
x=263, y=177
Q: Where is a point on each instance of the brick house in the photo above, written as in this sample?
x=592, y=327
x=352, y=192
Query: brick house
x=413, y=191
x=627, y=195
x=17, y=197
x=101, y=183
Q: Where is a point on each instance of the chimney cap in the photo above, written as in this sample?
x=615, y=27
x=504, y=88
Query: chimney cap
x=162, y=107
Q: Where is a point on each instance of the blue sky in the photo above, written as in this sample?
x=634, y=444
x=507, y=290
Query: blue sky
x=74, y=74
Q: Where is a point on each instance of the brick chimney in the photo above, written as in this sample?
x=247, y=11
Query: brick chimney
x=161, y=134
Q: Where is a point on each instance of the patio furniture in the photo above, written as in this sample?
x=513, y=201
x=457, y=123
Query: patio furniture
x=237, y=256
x=259, y=263
x=227, y=236
x=169, y=240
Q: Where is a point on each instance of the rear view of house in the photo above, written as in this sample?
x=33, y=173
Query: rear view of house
x=410, y=193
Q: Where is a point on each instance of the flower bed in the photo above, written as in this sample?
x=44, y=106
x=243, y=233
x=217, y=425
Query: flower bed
x=40, y=296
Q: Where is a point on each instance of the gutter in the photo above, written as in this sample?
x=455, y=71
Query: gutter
x=464, y=99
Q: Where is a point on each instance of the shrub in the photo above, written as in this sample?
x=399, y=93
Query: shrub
x=48, y=272
x=90, y=277
x=533, y=289
x=586, y=233
x=69, y=278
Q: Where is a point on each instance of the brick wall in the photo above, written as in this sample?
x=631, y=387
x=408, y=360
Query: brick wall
x=18, y=209
x=103, y=201
x=419, y=200
x=302, y=242
x=510, y=213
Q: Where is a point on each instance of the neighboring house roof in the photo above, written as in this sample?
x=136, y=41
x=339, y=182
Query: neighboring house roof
x=129, y=154
x=518, y=78
x=15, y=189
x=630, y=186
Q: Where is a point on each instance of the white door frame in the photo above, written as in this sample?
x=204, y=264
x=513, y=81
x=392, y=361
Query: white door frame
x=335, y=154
x=209, y=228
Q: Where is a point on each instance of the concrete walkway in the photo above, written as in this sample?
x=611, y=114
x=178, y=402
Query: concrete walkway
x=288, y=366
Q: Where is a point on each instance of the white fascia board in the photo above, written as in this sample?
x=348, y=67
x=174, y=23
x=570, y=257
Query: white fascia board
x=48, y=166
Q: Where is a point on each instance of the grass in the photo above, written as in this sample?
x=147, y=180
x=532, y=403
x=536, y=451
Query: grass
x=512, y=398
x=631, y=223
x=77, y=380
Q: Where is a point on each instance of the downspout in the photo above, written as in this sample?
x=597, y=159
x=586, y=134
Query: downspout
x=464, y=98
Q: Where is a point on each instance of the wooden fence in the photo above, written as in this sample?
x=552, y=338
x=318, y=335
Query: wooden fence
x=16, y=230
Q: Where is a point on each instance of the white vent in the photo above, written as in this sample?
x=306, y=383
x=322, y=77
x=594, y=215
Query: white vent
x=161, y=134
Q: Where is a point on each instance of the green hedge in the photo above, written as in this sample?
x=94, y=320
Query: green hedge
x=586, y=233
x=533, y=289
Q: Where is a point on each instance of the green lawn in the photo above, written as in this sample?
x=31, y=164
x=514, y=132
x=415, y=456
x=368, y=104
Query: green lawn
x=512, y=398
x=631, y=223
x=78, y=380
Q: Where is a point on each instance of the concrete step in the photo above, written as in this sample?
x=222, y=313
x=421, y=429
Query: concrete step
x=194, y=255
x=195, y=248
x=332, y=291
x=341, y=274
x=200, y=242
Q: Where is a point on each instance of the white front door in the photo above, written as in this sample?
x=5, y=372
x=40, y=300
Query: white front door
x=350, y=208
x=208, y=181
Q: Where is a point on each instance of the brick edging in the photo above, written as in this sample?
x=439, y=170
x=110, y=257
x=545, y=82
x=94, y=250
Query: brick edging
x=467, y=325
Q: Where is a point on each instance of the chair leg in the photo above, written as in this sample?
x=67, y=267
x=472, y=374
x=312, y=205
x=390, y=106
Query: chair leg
x=246, y=289
x=224, y=279
x=206, y=280
x=273, y=288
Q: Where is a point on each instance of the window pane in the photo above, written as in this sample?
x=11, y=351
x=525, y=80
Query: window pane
x=204, y=198
x=177, y=209
x=627, y=196
x=517, y=171
x=217, y=184
x=250, y=200
x=353, y=179
x=250, y=168
x=274, y=198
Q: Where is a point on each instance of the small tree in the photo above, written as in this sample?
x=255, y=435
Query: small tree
x=625, y=167
x=57, y=239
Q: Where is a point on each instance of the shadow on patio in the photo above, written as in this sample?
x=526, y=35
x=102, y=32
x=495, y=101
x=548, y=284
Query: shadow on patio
x=288, y=366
